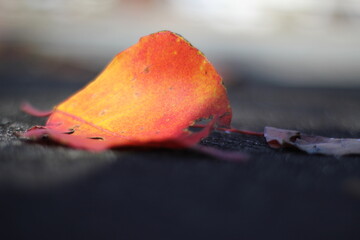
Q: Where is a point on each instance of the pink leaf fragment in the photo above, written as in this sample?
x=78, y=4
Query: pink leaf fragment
x=232, y=130
x=230, y=156
x=278, y=138
x=29, y=109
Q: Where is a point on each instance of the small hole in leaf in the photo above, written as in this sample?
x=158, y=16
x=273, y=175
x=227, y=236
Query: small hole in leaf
x=71, y=131
x=196, y=128
x=96, y=138
x=146, y=70
x=200, y=124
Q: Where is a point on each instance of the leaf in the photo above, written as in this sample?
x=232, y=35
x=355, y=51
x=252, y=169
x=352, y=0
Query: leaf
x=278, y=138
x=148, y=95
x=29, y=109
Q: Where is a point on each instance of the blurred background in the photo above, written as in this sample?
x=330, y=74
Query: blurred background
x=289, y=42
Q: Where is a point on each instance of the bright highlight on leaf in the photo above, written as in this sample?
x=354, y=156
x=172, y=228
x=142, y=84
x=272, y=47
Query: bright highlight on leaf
x=148, y=95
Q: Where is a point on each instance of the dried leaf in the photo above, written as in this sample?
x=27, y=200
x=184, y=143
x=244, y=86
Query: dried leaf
x=148, y=95
x=278, y=138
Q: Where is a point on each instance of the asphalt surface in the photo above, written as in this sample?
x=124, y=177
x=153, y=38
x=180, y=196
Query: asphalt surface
x=49, y=191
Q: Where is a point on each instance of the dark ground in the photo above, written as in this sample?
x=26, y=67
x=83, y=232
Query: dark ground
x=53, y=192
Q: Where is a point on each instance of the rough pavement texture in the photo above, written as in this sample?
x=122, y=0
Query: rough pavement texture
x=49, y=191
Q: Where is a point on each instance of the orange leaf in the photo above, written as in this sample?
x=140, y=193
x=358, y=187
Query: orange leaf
x=148, y=95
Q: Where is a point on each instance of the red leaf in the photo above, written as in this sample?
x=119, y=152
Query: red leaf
x=148, y=95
